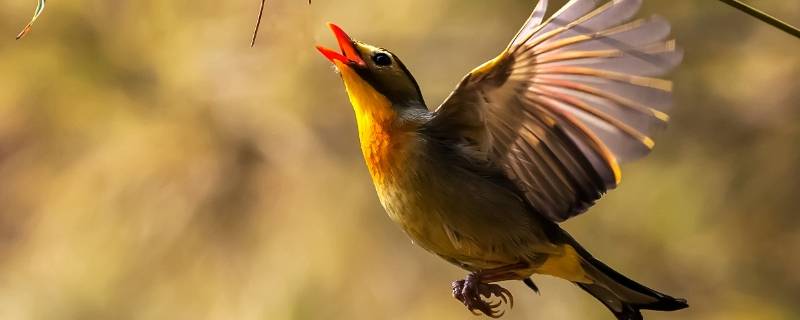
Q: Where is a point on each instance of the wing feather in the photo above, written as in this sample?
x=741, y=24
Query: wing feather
x=568, y=99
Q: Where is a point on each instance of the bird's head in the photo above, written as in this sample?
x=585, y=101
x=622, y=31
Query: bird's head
x=373, y=77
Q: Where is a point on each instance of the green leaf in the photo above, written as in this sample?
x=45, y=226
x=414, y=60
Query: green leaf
x=39, y=9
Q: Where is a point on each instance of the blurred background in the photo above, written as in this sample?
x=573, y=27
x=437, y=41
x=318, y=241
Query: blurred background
x=154, y=166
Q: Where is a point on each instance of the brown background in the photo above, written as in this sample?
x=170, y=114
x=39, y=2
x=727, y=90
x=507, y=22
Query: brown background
x=153, y=166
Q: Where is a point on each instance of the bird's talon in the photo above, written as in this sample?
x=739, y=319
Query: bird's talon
x=498, y=314
x=477, y=296
x=458, y=286
x=504, y=298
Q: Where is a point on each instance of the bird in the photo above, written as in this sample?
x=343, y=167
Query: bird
x=525, y=141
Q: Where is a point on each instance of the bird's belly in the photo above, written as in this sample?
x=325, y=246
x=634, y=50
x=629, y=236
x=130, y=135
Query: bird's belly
x=417, y=216
x=460, y=218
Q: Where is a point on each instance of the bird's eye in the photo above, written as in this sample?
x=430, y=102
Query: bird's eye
x=382, y=59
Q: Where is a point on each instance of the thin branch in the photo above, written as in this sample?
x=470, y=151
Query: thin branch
x=761, y=15
x=258, y=23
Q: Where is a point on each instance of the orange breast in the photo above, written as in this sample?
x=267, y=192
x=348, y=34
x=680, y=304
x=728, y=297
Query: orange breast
x=376, y=146
x=386, y=151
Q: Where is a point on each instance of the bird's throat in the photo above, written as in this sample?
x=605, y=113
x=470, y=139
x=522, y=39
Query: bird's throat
x=375, y=117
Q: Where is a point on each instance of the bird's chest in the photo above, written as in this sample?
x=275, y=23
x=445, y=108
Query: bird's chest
x=393, y=160
x=403, y=179
x=384, y=152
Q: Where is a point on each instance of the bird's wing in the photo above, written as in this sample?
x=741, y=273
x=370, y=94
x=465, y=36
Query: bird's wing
x=566, y=101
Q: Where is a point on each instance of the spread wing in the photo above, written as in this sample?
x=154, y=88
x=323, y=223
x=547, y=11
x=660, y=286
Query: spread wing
x=566, y=101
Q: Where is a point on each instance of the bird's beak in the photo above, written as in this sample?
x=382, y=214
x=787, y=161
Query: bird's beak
x=349, y=54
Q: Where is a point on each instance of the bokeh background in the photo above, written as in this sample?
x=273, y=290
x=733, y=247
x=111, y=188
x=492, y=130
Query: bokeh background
x=154, y=166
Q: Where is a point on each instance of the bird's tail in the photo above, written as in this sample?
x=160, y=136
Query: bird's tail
x=623, y=296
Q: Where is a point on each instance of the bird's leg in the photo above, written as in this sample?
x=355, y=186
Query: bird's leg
x=479, y=285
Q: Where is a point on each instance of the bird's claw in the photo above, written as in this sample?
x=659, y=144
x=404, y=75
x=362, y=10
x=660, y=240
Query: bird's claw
x=488, y=290
x=471, y=292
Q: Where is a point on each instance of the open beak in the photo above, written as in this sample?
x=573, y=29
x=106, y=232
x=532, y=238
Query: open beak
x=348, y=55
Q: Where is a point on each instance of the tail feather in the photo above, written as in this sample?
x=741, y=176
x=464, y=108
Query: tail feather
x=623, y=296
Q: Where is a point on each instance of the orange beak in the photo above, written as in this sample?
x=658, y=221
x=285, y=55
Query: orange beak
x=349, y=54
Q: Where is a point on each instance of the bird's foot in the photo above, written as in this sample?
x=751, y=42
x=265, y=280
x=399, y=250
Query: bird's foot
x=471, y=292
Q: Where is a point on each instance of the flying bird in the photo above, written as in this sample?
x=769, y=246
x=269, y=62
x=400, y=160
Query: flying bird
x=527, y=140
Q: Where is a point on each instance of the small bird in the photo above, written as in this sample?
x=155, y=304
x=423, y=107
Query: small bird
x=527, y=140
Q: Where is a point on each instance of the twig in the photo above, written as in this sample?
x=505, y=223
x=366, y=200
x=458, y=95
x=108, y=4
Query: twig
x=258, y=23
x=761, y=15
